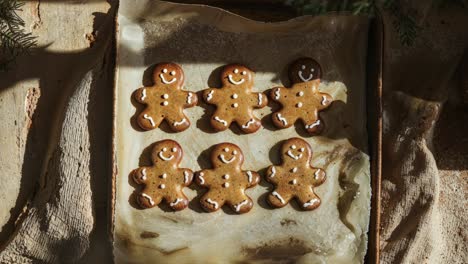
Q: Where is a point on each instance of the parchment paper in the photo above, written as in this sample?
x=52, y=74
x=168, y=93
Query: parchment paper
x=202, y=39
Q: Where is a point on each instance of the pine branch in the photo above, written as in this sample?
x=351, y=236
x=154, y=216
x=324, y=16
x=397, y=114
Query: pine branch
x=14, y=40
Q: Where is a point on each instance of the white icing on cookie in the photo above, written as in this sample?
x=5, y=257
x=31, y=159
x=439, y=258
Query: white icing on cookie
x=316, y=123
x=221, y=157
x=186, y=177
x=161, y=156
x=260, y=97
x=215, y=204
x=150, y=200
x=277, y=195
x=165, y=96
x=305, y=79
x=226, y=176
x=165, y=103
x=180, y=123
x=235, y=105
x=299, y=105
x=277, y=93
x=234, y=96
x=200, y=176
x=273, y=172
x=163, y=176
x=210, y=95
x=238, y=206
x=282, y=119
x=294, y=170
x=145, y=116
x=165, y=81
x=324, y=100
x=178, y=200
x=231, y=80
x=189, y=98
x=143, y=174
x=226, y=185
x=143, y=94
x=294, y=182
x=224, y=122
x=290, y=154
x=301, y=93
x=162, y=186
x=249, y=174
x=316, y=174
x=251, y=121
x=311, y=202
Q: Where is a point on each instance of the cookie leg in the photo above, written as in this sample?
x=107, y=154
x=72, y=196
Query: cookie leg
x=308, y=200
x=148, y=121
x=178, y=122
x=241, y=205
x=220, y=121
x=312, y=124
x=282, y=120
x=278, y=198
x=248, y=124
x=177, y=201
x=147, y=201
x=211, y=202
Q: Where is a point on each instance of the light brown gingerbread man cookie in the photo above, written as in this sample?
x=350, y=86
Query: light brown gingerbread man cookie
x=227, y=181
x=303, y=100
x=164, y=180
x=235, y=100
x=165, y=100
x=295, y=177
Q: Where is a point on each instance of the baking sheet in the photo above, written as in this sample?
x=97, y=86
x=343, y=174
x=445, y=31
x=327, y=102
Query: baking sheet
x=202, y=39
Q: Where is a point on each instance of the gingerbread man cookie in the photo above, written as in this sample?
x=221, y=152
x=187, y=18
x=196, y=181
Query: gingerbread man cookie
x=303, y=100
x=235, y=100
x=164, y=180
x=296, y=177
x=227, y=181
x=165, y=100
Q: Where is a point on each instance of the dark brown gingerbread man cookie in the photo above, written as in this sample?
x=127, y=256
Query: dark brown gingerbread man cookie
x=295, y=177
x=235, y=100
x=227, y=181
x=164, y=180
x=303, y=100
x=165, y=100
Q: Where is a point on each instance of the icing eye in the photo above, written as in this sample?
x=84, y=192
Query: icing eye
x=226, y=150
x=302, y=149
x=174, y=149
x=303, y=67
x=164, y=149
x=165, y=70
x=244, y=73
x=293, y=146
x=236, y=71
x=312, y=70
x=172, y=73
x=234, y=152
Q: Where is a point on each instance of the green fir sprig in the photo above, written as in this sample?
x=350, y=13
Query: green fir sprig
x=13, y=38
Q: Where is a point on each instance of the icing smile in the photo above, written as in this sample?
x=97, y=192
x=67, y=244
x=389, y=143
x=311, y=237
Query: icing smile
x=305, y=79
x=161, y=75
x=231, y=80
x=163, y=157
x=292, y=155
x=224, y=160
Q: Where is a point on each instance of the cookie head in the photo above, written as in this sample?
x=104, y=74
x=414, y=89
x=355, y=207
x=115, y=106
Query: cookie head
x=304, y=70
x=236, y=75
x=167, y=151
x=296, y=149
x=168, y=74
x=226, y=154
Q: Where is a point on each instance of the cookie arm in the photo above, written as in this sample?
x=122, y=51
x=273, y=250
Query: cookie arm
x=316, y=176
x=202, y=177
x=273, y=174
x=325, y=100
x=259, y=100
x=210, y=96
x=252, y=178
x=277, y=93
x=141, y=95
x=191, y=99
x=187, y=175
x=140, y=175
